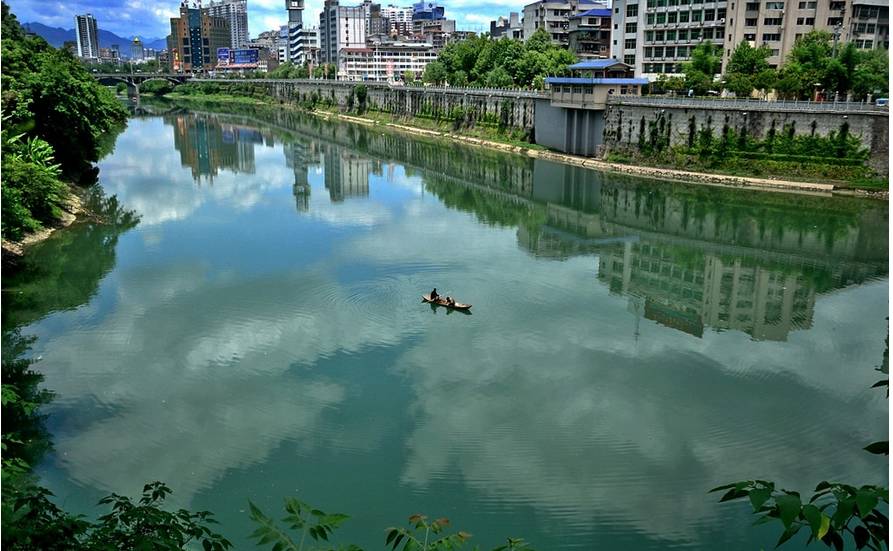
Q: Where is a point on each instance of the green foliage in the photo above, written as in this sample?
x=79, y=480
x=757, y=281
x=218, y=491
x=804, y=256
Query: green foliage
x=32, y=189
x=871, y=74
x=362, y=94
x=423, y=535
x=300, y=517
x=503, y=63
x=834, y=513
x=748, y=69
x=706, y=60
x=49, y=94
x=289, y=70
x=156, y=87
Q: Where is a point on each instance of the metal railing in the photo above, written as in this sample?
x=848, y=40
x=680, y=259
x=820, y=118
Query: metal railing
x=514, y=92
x=743, y=104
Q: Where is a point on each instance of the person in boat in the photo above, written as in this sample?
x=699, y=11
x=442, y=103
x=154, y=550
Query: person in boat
x=434, y=295
x=450, y=301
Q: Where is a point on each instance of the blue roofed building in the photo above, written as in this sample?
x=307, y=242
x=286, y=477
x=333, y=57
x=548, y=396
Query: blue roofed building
x=554, y=16
x=572, y=118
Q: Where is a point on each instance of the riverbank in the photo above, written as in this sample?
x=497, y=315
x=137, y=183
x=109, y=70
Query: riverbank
x=72, y=210
x=703, y=178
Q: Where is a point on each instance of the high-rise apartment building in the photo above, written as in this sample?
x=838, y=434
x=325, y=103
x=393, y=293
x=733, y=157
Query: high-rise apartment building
x=340, y=27
x=137, y=50
x=236, y=13
x=295, y=10
x=195, y=37
x=509, y=27
x=87, y=36
x=870, y=24
x=554, y=16
x=657, y=36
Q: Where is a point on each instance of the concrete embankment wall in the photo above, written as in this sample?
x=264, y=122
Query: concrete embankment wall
x=508, y=108
x=623, y=121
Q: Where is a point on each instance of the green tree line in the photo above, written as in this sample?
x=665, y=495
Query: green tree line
x=503, y=63
x=814, y=65
x=54, y=118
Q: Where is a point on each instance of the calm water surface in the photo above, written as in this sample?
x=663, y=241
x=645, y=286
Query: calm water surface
x=258, y=334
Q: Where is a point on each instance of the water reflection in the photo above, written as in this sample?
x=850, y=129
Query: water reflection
x=240, y=349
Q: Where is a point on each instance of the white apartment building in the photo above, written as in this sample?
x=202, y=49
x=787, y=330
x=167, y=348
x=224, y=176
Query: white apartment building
x=554, y=15
x=870, y=24
x=87, y=36
x=657, y=36
x=308, y=43
x=384, y=62
x=236, y=13
x=340, y=27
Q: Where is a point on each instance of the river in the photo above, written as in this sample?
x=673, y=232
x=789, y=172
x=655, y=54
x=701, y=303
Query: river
x=258, y=333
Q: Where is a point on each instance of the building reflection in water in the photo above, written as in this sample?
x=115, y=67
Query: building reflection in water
x=690, y=258
x=209, y=143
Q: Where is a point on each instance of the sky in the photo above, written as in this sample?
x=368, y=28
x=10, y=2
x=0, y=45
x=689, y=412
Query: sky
x=150, y=19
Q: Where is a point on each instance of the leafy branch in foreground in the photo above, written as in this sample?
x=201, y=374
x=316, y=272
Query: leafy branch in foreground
x=301, y=517
x=832, y=512
x=422, y=531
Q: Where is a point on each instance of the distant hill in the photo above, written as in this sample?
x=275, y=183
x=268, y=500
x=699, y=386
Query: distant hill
x=57, y=36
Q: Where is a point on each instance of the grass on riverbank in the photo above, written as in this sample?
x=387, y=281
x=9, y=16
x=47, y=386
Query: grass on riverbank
x=215, y=98
x=855, y=177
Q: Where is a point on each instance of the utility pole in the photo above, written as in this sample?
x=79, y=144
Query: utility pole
x=837, y=29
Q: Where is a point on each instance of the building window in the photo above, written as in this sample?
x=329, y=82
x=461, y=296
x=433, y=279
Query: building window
x=649, y=37
x=683, y=16
x=629, y=59
x=670, y=52
x=806, y=5
x=631, y=27
x=806, y=21
x=709, y=15
x=772, y=21
x=771, y=37
x=661, y=18
x=708, y=33
x=658, y=51
x=696, y=16
x=751, y=37
x=649, y=19
x=774, y=5
x=648, y=51
x=683, y=34
x=695, y=35
x=632, y=10
x=659, y=36
x=834, y=21
x=750, y=22
x=671, y=17
x=629, y=44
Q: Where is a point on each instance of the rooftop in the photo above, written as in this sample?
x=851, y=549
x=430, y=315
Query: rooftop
x=581, y=80
x=595, y=12
x=598, y=64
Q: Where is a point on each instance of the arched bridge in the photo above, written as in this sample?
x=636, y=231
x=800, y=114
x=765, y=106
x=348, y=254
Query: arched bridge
x=136, y=79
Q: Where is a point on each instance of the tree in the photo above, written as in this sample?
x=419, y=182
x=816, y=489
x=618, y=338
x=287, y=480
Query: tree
x=748, y=69
x=871, y=75
x=704, y=65
x=435, y=73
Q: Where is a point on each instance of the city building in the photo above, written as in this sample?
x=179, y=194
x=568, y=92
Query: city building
x=137, y=51
x=510, y=27
x=195, y=38
x=554, y=16
x=346, y=174
x=589, y=34
x=308, y=46
x=437, y=32
x=108, y=54
x=386, y=62
x=396, y=15
x=236, y=13
x=427, y=11
x=295, y=10
x=657, y=36
x=87, y=36
x=870, y=24
x=340, y=27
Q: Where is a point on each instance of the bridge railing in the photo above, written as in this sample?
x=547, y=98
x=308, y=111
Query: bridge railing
x=745, y=104
x=515, y=92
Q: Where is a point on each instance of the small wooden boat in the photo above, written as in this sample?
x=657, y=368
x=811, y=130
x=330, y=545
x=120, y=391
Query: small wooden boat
x=440, y=301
